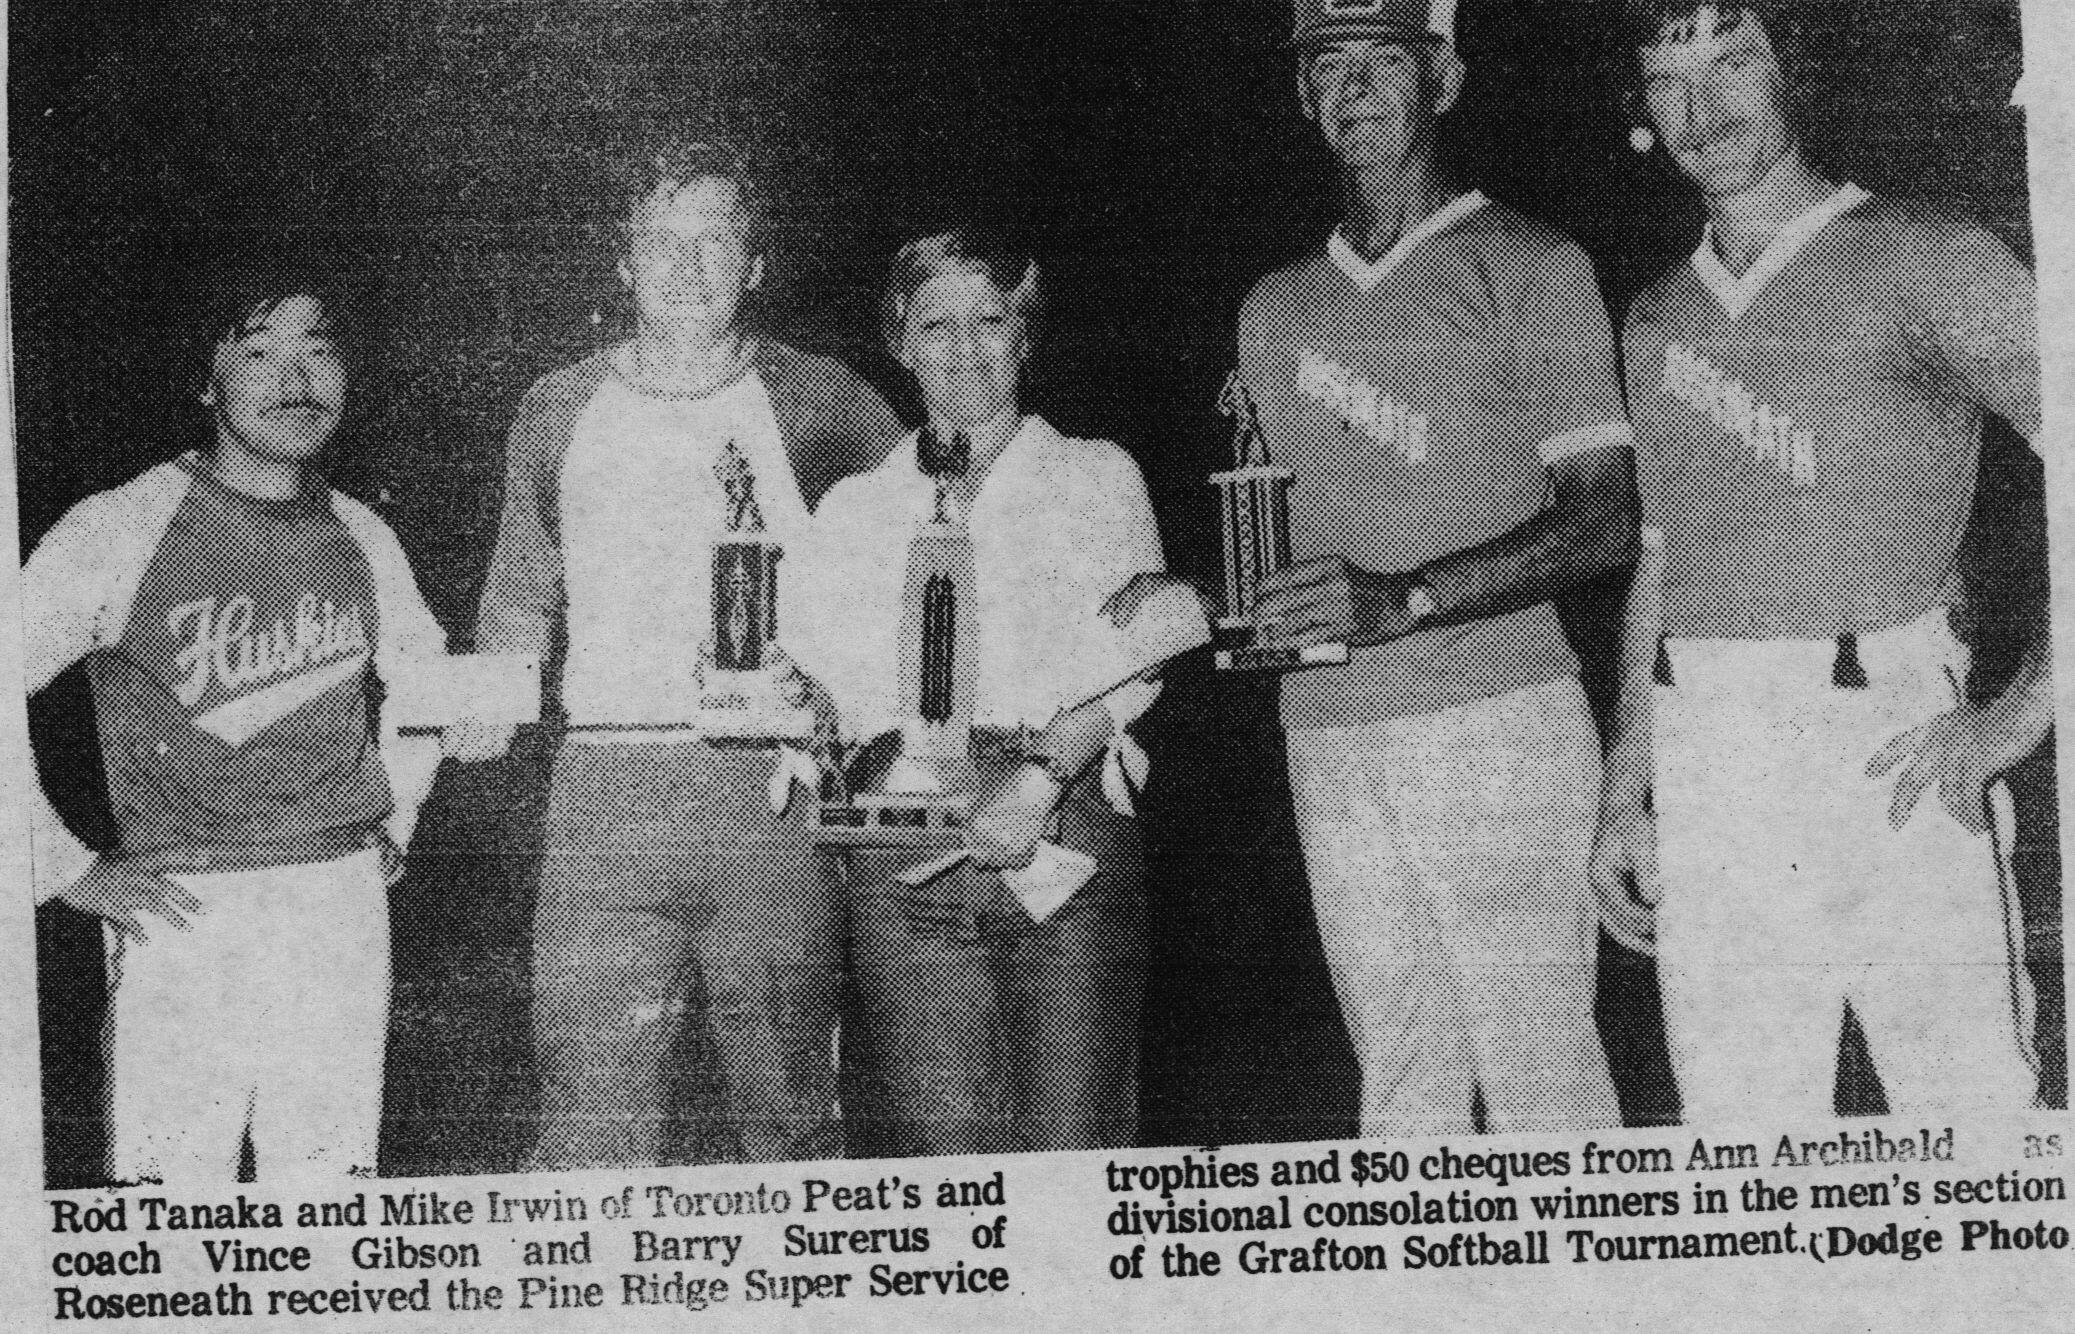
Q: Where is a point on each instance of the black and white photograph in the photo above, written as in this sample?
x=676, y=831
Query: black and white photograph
x=1245, y=596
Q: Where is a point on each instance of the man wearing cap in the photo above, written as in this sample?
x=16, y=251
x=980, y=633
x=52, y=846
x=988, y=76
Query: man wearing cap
x=1440, y=375
x=1808, y=393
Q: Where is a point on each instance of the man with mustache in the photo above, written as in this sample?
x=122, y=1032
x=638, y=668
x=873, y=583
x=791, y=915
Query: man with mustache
x=1440, y=375
x=673, y=901
x=1808, y=393
x=233, y=612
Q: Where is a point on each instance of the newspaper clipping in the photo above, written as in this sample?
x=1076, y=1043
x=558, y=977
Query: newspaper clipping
x=1213, y=664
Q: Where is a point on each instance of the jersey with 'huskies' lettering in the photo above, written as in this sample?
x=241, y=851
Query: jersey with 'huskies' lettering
x=1808, y=435
x=230, y=641
x=1420, y=401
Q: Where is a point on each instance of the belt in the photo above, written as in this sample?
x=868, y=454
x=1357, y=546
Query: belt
x=1846, y=671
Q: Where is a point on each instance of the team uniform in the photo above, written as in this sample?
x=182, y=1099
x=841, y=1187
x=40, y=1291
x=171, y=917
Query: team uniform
x=670, y=892
x=1446, y=783
x=1808, y=439
x=983, y=1030
x=231, y=643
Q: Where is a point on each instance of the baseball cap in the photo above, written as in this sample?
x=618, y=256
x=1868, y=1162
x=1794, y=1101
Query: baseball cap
x=1322, y=21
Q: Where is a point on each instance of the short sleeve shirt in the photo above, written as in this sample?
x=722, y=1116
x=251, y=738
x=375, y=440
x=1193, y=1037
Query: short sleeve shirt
x=1808, y=434
x=1420, y=401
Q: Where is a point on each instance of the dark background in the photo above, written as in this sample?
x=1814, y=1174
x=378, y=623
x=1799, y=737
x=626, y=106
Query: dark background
x=453, y=153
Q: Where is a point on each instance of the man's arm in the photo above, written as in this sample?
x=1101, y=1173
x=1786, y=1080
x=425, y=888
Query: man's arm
x=71, y=590
x=523, y=587
x=1588, y=529
x=1976, y=315
x=1624, y=854
x=411, y=636
x=1570, y=400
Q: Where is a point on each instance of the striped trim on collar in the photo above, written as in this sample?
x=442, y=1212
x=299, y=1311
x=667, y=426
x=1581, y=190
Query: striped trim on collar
x=1736, y=294
x=1366, y=276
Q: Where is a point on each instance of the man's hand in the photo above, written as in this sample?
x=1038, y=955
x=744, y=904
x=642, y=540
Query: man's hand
x=131, y=894
x=1962, y=752
x=472, y=740
x=1328, y=601
x=1006, y=828
x=1624, y=872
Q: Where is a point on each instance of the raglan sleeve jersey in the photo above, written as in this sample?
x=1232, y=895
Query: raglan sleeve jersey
x=1809, y=433
x=1421, y=401
x=411, y=636
x=80, y=574
x=230, y=643
x=522, y=590
x=829, y=424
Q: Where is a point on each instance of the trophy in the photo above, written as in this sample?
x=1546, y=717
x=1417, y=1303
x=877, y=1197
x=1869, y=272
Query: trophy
x=746, y=690
x=918, y=790
x=1255, y=512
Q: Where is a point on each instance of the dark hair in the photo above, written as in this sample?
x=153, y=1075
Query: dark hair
x=681, y=160
x=1787, y=26
x=228, y=299
x=980, y=248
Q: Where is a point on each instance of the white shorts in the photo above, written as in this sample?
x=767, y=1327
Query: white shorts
x=1787, y=892
x=269, y=1016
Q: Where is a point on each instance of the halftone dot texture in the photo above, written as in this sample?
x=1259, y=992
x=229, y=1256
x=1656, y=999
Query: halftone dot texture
x=1808, y=437
x=267, y=1017
x=1447, y=857
x=1809, y=434
x=1446, y=782
x=1419, y=401
x=681, y=929
x=232, y=642
x=231, y=693
x=986, y=1032
x=1788, y=893
x=983, y=1030
x=687, y=948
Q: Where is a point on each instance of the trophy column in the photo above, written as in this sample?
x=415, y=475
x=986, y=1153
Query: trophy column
x=1255, y=518
x=743, y=694
x=926, y=796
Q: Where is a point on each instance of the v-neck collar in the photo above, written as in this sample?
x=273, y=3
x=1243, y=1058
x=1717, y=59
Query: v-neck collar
x=1736, y=294
x=1365, y=275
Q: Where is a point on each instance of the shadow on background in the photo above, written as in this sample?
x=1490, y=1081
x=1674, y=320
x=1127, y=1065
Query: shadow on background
x=1155, y=149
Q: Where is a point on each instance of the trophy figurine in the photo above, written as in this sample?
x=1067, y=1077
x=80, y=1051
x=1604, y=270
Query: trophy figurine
x=1255, y=512
x=917, y=789
x=747, y=687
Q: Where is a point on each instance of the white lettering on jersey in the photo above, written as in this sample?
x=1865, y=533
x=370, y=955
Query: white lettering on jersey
x=1395, y=428
x=223, y=644
x=1770, y=436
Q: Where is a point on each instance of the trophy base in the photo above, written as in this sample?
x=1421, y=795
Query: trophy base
x=893, y=821
x=749, y=706
x=1272, y=658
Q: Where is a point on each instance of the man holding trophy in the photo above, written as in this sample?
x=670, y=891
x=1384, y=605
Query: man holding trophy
x=1439, y=381
x=650, y=491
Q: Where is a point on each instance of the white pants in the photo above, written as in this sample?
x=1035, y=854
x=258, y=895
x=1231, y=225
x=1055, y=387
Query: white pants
x=1447, y=855
x=271, y=1015
x=1788, y=893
